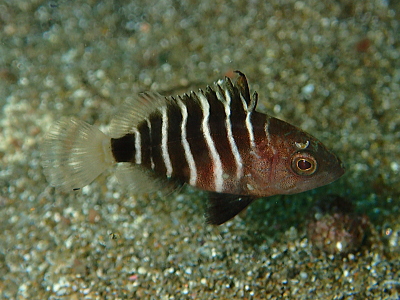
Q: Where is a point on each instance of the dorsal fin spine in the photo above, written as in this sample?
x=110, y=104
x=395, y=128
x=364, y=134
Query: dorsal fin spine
x=253, y=102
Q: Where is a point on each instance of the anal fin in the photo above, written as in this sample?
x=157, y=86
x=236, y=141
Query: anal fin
x=223, y=207
x=140, y=180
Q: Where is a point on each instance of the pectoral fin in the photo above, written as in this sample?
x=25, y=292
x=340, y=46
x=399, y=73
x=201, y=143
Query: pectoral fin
x=223, y=207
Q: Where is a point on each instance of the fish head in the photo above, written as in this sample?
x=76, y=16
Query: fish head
x=293, y=161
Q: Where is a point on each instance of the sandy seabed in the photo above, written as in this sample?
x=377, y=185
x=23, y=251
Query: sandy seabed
x=329, y=67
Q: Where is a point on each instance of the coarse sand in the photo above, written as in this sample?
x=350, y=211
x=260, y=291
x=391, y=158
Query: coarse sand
x=329, y=67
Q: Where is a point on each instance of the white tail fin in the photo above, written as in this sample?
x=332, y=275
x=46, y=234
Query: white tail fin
x=74, y=153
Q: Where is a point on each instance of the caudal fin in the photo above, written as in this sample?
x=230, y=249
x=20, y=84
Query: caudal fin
x=74, y=153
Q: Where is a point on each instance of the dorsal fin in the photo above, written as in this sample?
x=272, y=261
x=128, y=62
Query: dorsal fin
x=253, y=102
x=243, y=87
x=135, y=111
x=139, y=108
x=238, y=93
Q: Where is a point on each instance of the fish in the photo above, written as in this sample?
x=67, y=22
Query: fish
x=213, y=140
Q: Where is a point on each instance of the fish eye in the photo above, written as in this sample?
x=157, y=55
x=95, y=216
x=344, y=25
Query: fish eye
x=304, y=163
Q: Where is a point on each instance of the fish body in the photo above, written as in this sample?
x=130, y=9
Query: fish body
x=213, y=139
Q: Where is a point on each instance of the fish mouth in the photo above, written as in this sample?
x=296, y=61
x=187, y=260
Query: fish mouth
x=342, y=168
x=336, y=171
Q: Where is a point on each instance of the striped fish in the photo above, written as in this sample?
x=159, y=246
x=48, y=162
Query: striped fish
x=212, y=139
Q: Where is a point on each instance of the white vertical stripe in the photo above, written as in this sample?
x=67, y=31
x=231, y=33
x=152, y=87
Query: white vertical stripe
x=249, y=127
x=217, y=164
x=244, y=103
x=268, y=136
x=164, y=141
x=138, y=147
x=238, y=160
x=186, y=147
x=151, y=156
